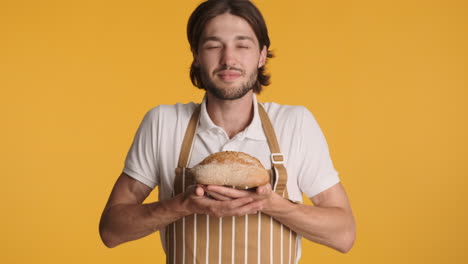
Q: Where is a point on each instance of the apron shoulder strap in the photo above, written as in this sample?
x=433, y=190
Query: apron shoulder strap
x=188, y=139
x=277, y=158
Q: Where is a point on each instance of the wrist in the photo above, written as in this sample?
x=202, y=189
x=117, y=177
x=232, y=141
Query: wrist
x=279, y=206
x=178, y=206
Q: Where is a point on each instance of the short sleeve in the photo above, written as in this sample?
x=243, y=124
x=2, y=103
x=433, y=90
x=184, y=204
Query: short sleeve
x=316, y=173
x=140, y=162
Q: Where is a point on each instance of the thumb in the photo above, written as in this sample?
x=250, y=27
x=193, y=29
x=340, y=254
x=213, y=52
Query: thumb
x=199, y=191
x=265, y=189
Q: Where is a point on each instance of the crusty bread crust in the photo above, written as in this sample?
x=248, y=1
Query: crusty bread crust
x=231, y=168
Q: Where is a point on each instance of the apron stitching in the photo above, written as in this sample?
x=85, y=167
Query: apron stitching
x=259, y=239
x=295, y=250
x=233, y=238
x=245, y=237
x=271, y=240
x=183, y=220
x=281, y=256
x=220, y=239
x=194, y=237
x=207, y=237
x=183, y=240
x=175, y=247
x=290, y=246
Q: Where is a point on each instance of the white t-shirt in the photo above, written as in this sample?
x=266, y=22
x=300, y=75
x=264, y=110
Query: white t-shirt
x=154, y=154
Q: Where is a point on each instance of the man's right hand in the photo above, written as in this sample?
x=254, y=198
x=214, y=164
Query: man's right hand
x=196, y=202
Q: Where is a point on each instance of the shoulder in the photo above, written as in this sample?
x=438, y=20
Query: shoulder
x=288, y=113
x=293, y=121
x=175, y=111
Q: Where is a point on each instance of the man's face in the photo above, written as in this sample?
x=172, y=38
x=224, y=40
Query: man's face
x=229, y=57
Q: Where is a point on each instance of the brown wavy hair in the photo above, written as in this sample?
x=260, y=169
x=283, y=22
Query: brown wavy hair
x=241, y=8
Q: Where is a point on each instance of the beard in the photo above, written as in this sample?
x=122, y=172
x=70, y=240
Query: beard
x=231, y=93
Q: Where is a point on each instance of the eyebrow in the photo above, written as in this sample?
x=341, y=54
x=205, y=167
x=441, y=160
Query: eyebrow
x=214, y=38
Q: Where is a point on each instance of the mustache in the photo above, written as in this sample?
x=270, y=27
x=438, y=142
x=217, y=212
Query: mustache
x=230, y=68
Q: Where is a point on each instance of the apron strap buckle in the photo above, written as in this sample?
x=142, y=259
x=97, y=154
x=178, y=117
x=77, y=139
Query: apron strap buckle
x=277, y=158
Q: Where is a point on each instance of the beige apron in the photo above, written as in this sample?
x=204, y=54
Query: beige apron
x=256, y=238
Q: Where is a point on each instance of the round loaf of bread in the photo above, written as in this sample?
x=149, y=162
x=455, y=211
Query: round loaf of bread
x=231, y=168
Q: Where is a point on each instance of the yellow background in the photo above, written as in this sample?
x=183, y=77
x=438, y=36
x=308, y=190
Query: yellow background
x=387, y=81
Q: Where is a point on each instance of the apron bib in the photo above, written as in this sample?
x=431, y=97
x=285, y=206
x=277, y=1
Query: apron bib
x=256, y=238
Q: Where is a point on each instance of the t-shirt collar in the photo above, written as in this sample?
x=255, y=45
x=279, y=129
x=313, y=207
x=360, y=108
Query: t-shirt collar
x=253, y=131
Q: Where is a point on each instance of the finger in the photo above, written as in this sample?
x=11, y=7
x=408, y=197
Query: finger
x=228, y=191
x=237, y=207
x=218, y=196
x=214, y=195
x=220, y=208
x=250, y=208
x=235, y=203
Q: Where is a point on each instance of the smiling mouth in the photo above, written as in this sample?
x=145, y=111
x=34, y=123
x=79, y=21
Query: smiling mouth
x=229, y=75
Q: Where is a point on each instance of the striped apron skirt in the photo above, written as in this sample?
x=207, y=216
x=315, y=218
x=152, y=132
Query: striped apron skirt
x=256, y=238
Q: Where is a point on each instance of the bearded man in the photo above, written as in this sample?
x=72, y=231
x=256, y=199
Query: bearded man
x=219, y=224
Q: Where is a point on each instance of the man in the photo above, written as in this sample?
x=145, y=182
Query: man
x=229, y=42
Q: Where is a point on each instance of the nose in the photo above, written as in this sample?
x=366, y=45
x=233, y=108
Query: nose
x=228, y=57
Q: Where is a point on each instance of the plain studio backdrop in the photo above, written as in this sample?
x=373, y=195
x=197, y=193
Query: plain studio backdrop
x=386, y=80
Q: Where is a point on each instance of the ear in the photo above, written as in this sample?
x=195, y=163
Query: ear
x=263, y=56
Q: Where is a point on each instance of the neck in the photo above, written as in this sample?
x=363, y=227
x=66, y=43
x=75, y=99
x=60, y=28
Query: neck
x=232, y=115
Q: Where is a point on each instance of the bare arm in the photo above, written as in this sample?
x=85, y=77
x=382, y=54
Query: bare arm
x=125, y=218
x=330, y=222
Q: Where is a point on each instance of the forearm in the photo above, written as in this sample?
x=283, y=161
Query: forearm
x=126, y=222
x=330, y=226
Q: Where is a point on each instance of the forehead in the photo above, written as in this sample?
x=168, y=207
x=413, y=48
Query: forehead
x=228, y=26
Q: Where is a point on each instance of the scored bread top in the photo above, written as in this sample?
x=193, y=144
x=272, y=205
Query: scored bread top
x=231, y=168
x=232, y=157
